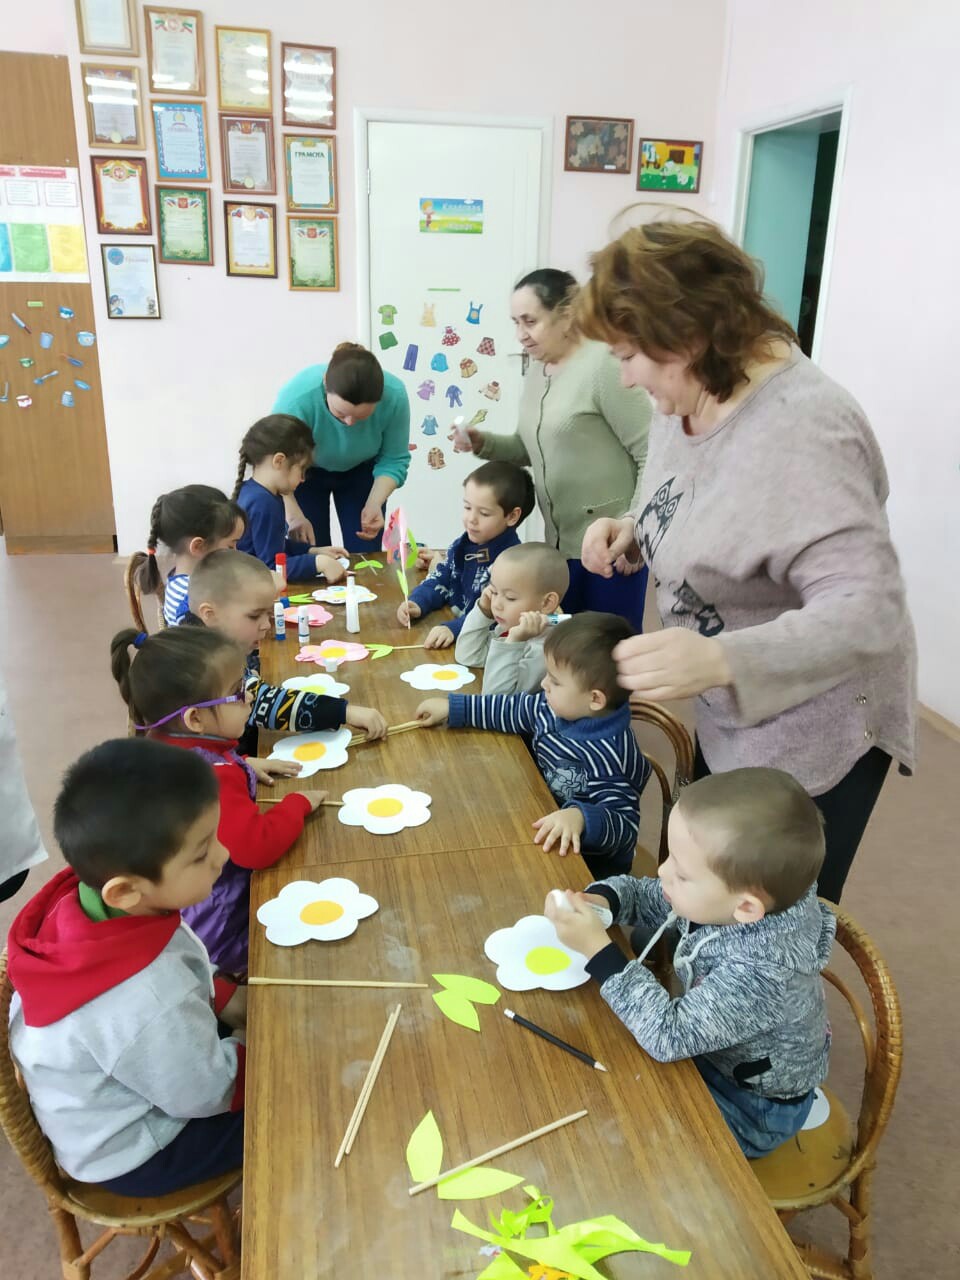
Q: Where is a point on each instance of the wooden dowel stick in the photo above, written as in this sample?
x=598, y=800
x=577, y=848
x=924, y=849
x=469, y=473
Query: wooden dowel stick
x=333, y=982
x=358, y=738
x=497, y=1151
x=371, y=1076
x=334, y=803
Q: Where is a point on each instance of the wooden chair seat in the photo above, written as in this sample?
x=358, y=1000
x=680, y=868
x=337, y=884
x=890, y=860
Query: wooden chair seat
x=113, y=1210
x=810, y=1162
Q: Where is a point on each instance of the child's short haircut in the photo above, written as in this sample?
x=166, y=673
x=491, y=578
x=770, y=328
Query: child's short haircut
x=276, y=433
x=545, y=566
x=759, y=830
x=222, y=575
x=512, y=486
x=584, y=645
x=125, y=807
x=174, y=668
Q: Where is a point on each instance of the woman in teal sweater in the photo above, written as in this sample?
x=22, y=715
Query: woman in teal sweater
x=360, y=420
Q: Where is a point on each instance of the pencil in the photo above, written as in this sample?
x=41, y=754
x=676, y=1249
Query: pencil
x=561, y=1044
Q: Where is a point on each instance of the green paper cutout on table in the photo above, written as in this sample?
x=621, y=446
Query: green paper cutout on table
x=425, y=1150
x=301, y=599
x=474, y=989
x=375, y=565
x=457, y=1009
x=502, y=1267
x=475, y=1184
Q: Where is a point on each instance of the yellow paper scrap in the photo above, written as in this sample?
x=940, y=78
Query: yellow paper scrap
x=475, y=1184
x=425, y=1150
x=474, y=989
x=457, y=1010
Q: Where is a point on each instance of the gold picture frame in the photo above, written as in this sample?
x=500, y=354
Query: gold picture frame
x=244, y=71
x=118, y=39
x=313, y=255
x=246, y=179
x=185, y=27
x=108, y=123
x=254, y=254
x=315, y=65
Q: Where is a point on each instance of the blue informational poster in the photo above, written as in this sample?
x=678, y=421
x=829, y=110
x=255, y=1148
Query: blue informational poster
x=443, y=216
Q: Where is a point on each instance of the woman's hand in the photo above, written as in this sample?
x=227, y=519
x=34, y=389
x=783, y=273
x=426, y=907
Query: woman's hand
x=604, y=542
x=463, y=434
x=371, y=523
x=625, y=566
x=299, y=528
x=671, y=664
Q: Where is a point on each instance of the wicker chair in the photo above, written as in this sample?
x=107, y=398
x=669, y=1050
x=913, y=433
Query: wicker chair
x=834, y=1163
x=214, y=1257
x=652, y=713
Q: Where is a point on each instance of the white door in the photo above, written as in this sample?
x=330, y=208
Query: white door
x=453, y=223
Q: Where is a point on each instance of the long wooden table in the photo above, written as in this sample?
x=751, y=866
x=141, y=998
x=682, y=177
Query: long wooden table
x=652, y=1149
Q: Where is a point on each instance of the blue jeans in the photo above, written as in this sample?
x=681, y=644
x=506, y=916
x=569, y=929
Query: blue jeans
x=203, y=1149
x=619, y=594
x=758, y=1124
x=349, y=490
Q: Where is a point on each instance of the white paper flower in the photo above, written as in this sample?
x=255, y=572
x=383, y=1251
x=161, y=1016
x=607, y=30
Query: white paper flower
x=338, y=595
x=320, y=683
x=431, y=675
x=384, y=810
x=529, y=955
x=326, y=749
x=324, y=910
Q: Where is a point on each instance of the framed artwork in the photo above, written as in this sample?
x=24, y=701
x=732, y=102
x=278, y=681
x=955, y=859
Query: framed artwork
x=309, y=75
x=251, y=238
x=669, y=166
x=174, y=50
x=130, y=281
x=183, y=225
x=121, y=195
x=598, y=144
x=314, y=254
x=243, y=71
x=247, y=154
x=107, y=26
x=111, y=96
x=310, y=169
x=180, y=141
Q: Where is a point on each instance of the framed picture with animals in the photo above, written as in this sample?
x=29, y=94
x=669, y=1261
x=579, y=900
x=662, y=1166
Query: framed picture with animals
x=598, y=144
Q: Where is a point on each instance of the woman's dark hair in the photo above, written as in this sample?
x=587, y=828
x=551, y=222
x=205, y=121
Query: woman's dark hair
x=174, y=668
x=553, y=288
x=512, y=486
x=195, y=511
x=354, y=374
x=98, y=818
x=277, y=433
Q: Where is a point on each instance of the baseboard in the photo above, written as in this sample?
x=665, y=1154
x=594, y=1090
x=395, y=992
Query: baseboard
x=945, y=726
x=73, y=544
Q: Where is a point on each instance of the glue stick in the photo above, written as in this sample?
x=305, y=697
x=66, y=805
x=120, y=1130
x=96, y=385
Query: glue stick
x=303, y=623
x=554, y=619
x=353, y=609
x=281, y=571
x=279, y=622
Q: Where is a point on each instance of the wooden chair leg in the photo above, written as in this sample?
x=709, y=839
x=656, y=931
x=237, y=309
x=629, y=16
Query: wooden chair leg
x=223, y=1223
x=70, y=1244
x=859, y=1253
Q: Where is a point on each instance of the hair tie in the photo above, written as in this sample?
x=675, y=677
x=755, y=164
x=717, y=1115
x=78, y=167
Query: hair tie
x=140, y=637
x=151, y=551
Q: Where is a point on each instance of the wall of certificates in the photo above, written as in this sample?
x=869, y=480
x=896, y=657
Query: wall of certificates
x=171, y=220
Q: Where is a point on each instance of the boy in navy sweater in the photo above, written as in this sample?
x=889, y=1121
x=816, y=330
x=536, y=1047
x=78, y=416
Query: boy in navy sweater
x=497, y=497
x=582, y=741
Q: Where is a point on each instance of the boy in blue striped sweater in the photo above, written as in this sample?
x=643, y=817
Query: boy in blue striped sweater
x=582, y=741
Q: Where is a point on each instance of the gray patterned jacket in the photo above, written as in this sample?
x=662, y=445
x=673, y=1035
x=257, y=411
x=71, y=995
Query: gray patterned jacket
x=753, y=1002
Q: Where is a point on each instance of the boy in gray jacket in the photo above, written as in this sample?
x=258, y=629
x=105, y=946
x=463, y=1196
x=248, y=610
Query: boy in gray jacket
x=739, y=886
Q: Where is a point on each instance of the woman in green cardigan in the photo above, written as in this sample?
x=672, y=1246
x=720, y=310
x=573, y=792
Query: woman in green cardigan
x=583, y=434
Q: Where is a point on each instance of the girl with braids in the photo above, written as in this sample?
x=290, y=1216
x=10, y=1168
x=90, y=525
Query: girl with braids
x=191, y=522
x=186, y=687
x=279, y=449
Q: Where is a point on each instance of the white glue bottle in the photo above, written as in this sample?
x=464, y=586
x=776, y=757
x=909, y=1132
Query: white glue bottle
x=303, y=623
x=279, y=622
x=353, y=608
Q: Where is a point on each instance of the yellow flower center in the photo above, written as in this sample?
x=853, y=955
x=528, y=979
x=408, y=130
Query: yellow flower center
x=334, y=651
x=321, y=912
x=385, y=807
x=310, y=751
x=544, y=960
x=445, y=675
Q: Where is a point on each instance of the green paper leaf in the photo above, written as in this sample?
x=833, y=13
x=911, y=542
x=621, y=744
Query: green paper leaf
x=302, y=599
x=475, y=1184
x=474, y=989
x=379, y=650
x=457, y=1010
x=368, y=564
x=503, y=1267
x=402, y=579
x=425, y=1150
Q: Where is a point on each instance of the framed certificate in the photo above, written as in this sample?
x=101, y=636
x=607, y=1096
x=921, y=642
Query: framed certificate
x=174, y=50
x=121, y=195
x=243, y=71
x=310, y=165
x=309, y=74
x=111, y=96
x=130, y=281
x=251, y=238
x=107, y=26
x=314, y=254
x=183, y=225
x=180, y=139
x=247, y=153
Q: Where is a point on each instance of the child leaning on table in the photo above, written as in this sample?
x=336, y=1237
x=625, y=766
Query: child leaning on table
x=234, y=593
x=582, y=741
x=505, y=630
x=114, y=1018
x=497, y=497
x=739, y=885
x=186, y=687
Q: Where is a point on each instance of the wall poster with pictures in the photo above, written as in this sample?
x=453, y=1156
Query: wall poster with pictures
x=251, y=238
x=669, y=166
x=183, y=225
x=309, y=76
x=107, y=27
x=180, y=141
x=247, y=154
x=310, y=169
x=130, y=281
x=313, y=254
x=598, y=144
x=111, y=97
x=243, y=71
x=174, y=50
x=121, y=195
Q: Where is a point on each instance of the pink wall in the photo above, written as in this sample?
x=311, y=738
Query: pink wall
x=891, y=331
x=180, y=392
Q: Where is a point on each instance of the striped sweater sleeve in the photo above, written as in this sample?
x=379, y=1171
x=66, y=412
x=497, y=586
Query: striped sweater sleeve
x=609, y=801
x=506, y=713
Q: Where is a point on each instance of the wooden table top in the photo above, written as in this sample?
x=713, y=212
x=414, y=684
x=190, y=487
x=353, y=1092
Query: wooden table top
x=652, y=1150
